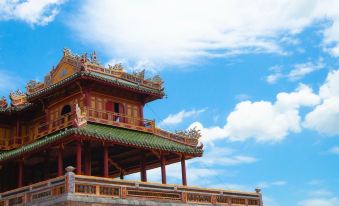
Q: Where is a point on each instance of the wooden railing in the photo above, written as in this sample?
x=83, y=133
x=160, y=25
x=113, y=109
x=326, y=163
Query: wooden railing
x=53, y=126
x=125, y=76
x=135, y=123
x=86, y=185
x=34, y=193
x=38, y=131
x=89, y=186
x=96, y=116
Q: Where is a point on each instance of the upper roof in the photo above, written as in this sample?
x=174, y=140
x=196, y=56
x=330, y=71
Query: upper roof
x=73, y=67
x=106, y=133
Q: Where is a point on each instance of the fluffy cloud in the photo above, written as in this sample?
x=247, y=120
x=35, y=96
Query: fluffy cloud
x=325, y=117
x=174, y=119
x=182, y=31
x=272, y=121
x=264, y=121
x=33, y=12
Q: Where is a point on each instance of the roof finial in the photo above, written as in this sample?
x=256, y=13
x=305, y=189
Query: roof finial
x=66, y=52
x=94, y=58
x=3, y=102
x=84, y=57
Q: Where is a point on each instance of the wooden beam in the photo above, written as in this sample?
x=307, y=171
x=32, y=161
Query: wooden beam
x=116, y=165
x=123, y=155
x=150, y=165
x=157, y=154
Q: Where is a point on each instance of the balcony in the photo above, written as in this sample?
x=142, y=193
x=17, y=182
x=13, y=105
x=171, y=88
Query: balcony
x=84, y=189
x=128, y=122
x=95, y=116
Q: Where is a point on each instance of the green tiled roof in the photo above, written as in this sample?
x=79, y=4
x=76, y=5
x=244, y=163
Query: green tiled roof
x=107, y=133
x=135, y=138
x=99, y=76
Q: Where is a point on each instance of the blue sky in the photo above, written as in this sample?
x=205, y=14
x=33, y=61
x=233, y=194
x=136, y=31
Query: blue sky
x=260, y=79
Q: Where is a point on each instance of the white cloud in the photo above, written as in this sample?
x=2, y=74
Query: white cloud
x=279, y=183
x=319, y=202
x=300, y=70
x=334, y=150
x=9, y=82
x=320, y=197
x=224, y=157
x=242, y=97
x=174, y=119
x=33, y=12
x=325, y=117
x=297, y=72
x=321, y=193
x=275, y=75
x=176, y=32
x=264, y=121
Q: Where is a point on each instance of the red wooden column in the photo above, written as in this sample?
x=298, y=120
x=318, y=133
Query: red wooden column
x=163, y=169
x=18, y=135
x=60, y=161
x=46, y=167
x=143, y=173
x=20, y=173
x=78, y=157
x=106, y=172
x=183, y=170
x=87, y=100
x=88, y=158
x=121, y=174
x=141, y=115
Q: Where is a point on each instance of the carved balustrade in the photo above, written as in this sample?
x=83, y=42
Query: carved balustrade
x=34, y=193
x=125, y=76
x=51, y=126
x=37, y=131
x=135, y=123
x=99, y=187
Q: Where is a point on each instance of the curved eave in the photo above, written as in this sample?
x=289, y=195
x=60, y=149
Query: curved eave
x=112, y=81
x=103, y=133
x=16, y=109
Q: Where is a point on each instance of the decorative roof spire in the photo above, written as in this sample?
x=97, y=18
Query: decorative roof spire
x=94, y=58
x=67, y=52
x=3, y=102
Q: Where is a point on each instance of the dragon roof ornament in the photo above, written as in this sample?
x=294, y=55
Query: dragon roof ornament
x=3, y=102
x=18, y=98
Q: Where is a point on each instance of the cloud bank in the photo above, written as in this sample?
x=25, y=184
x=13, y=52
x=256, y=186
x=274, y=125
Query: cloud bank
x=266, y=121
x=181, y=32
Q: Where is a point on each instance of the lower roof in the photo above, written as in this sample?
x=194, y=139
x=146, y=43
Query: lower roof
x=106, y=133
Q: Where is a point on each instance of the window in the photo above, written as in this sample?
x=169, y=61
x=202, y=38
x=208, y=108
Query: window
x=66, y=109
x=116, y=109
